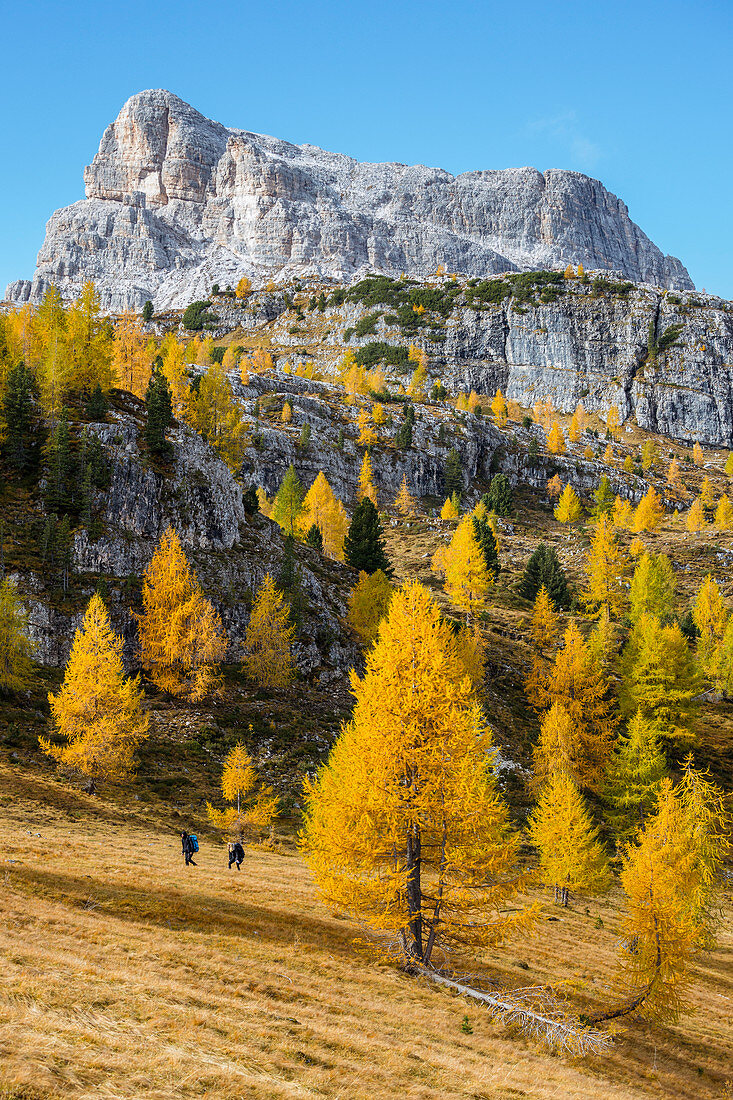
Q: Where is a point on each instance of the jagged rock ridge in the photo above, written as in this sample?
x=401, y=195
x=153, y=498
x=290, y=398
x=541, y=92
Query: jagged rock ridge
x=176, y=202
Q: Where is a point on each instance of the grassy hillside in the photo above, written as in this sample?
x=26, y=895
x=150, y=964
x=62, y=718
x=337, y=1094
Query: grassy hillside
x=124, y=975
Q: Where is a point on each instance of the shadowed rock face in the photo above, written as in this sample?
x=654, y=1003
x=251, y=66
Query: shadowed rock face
x=176, y=202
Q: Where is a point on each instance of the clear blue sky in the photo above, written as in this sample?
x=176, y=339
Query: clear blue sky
x=637, y=94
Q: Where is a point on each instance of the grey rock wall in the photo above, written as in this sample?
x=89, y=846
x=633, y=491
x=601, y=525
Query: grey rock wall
x=175, y=202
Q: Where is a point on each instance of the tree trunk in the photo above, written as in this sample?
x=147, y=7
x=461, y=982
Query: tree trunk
x=565, y=895
x=414, y=893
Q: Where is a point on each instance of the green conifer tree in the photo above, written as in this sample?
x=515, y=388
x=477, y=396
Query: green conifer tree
x=364, y=542
x=487, y=541
x=604, y=497
x=314, y=537
x=159, y=412
x=18, y=412
x=543, y=568
x=499, y=498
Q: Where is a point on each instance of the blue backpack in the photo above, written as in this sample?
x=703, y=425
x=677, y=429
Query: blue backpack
x=195, y=841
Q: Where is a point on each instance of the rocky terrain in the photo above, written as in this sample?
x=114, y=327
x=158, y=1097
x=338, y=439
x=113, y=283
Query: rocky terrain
x=230, y=551
x=594, y=341
x=175, y=202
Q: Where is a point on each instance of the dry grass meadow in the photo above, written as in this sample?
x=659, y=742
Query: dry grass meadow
x=125, y=975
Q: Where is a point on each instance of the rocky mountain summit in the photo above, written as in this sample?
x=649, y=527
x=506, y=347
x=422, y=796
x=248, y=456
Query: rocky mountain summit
x=175, y=202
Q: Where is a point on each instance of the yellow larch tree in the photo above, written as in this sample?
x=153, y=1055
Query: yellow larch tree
x=695, y=519
x=379, y=416
x=669, y=877
x=545, y=626
x=569, y=272
x=697, y=455
x=89, y=343
x=608, y=455
x=588, y=451
x=369, y=603
x=322, y=509
x=449, y=510
x=404, y=502
x=622, y=514
x=367, y=435
x=649, y=512
x=53, y=369
x=467, y=579
x=574, y=429
x=556, y=440
x=613, y=421
x=707, y=493
x=558, y=747
x=261, y=360
x=404, y=825
x=217, y=416
x=724, y=514
x=648, y=454
x=15, y=643
x=133, y=355
x=710, y=616
x=182, y=639
x=243, y=288
x=569, y=509
x=462, y=403
x=471, y=648
x=729, y=465
x=252, y=806
x=474, y=402
x=628, y=465
x=554, y=487
x=366, y=485
x=268, y=656
x=499, y=409
x=174, y=368
x=287, y=413
x=230, y=358
x=579, y=686
x=674, y=478
x=606, y=566
x=98, y=710
x=560, y=827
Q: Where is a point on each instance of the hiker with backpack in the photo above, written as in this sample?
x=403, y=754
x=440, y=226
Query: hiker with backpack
x=236, y=855
x=189, y=844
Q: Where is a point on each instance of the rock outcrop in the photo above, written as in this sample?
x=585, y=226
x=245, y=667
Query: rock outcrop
x=230, y=552
x=176, y=202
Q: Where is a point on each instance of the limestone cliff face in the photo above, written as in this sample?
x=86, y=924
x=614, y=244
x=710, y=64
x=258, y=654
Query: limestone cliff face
x=176, y=202
x=230, y=553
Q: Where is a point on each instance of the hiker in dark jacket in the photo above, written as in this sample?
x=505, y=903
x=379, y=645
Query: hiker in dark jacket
x=236, y=855
x=188, y=849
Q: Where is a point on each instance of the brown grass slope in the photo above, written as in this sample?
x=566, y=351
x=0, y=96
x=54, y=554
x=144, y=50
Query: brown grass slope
x=125, y=975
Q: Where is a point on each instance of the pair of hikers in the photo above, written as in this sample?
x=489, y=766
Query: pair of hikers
x=190, y=845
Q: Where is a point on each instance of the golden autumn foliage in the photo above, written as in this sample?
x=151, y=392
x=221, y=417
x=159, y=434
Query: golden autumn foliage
x=695, y=518
x=710, y=616
x=172, y=354
x=634, y=777
x=556, y=440
x=15, y=645
x=405, y=503
x=649, y=512
x=404, y=826
x=545, y=621
x=578, y=685
x=98, y=710
x=724, y=514
x=622, y=514
x=674, y=479
x=560, y=827
x=268, y=656
x=252, y=807
x=669, y=878
x=287, y=413
x=467, y=579
x=499, y=409
x=554, y=487
x=470, y=646
x=243, y=288
x=322, y=509
x=613, y=421
x=606, y=566
x=369, y=603
x=133, y=355
x=558, y=747
x=569, y=509
x=366, y=485
x=449, y=510
x=697, y=456
x=182, y=639
x=652, y=587
x=216, y=416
